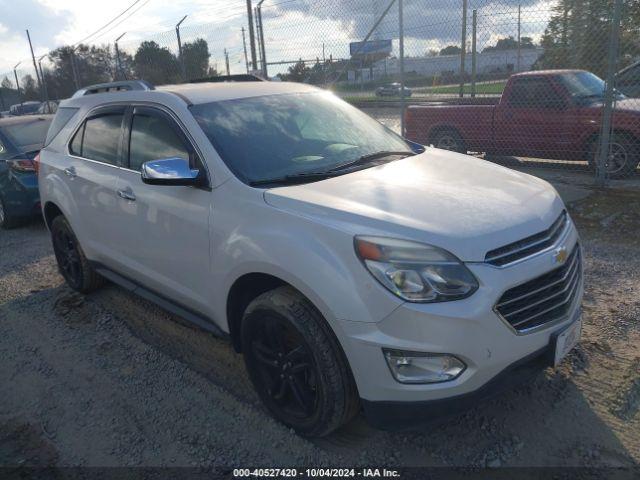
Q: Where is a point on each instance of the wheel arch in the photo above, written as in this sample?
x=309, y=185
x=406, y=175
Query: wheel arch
x=50, y=211
x=588, y=144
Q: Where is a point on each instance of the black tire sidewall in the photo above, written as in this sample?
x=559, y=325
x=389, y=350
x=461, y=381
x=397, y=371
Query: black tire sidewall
x=332, y=387
x=452, y=133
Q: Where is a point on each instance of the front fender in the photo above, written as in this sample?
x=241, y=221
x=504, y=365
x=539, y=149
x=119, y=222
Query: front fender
x=314, y=258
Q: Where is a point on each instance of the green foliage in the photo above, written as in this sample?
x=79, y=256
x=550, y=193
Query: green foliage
x=578, y=35
x=196, y=59
x=30, y=89
x=451, y=50
x=510, y=43
x=156, y=64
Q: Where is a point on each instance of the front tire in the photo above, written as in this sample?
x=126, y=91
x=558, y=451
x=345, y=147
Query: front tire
x=449, y=139
x=72, y=263
x=296, y=365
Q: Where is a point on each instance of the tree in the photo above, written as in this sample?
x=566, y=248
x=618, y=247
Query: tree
x=93, y=64
x=156, y=64
x=577, y=35
x=196, y=59
x=6, y=83
x=510, y=43
x=298, y=72
x=451, y=50
x=29, y=88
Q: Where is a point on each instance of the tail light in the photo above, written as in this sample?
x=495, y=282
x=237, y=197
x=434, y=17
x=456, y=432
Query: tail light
x=22, y=165
x=36, y=163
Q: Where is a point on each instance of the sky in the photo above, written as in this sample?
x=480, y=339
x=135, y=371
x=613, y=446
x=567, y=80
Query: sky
x=293, y=28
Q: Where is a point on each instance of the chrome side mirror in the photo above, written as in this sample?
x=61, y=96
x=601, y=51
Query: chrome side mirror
x=169, y=171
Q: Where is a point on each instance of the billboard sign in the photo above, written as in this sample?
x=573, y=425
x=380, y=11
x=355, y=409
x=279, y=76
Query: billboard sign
x=372, y=47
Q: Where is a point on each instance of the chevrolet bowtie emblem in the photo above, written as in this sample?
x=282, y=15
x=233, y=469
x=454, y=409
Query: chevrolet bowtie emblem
x=560, y=256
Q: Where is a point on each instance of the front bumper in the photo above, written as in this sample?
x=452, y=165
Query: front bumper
x=469, y=329
x=389, y=415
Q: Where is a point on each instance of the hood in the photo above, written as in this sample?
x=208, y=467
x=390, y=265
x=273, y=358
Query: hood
x=627, y=105
x=463, y=204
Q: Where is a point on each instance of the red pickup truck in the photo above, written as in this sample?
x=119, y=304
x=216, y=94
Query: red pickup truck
x=553, y=114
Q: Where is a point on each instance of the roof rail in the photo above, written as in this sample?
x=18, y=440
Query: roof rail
x=125, y=85
x=243, y=77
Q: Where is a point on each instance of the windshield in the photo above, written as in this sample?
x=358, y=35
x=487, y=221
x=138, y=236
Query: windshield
x=584, y=85
x=27, y=136
x=262, y=138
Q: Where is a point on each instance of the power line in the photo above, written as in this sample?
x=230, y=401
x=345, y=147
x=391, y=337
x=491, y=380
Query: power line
x=123, y=20
x=109, y=23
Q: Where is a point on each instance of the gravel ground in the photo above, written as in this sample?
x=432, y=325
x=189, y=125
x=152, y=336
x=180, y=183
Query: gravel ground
x=111, y=380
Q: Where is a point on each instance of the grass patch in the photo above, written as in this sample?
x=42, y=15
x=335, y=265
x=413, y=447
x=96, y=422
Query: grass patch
x=494, y=88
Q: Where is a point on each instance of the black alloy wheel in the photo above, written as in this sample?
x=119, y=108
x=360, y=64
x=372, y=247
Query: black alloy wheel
x=296, y=364
x=286, y=369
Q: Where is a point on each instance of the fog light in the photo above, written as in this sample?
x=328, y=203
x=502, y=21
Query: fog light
x=416, y=367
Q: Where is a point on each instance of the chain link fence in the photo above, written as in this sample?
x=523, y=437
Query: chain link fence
x=540, y=83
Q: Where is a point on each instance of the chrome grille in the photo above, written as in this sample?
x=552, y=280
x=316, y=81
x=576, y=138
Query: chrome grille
x=528, y=246
x=544, y=299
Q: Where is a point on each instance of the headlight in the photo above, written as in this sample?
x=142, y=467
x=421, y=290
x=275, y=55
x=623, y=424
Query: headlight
x=414, y=271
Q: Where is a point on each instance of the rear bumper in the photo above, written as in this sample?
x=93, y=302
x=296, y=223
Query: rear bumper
x=390, y=415
x=21, y=195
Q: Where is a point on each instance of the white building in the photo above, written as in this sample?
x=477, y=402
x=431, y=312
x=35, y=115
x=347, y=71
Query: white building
x=495, y=61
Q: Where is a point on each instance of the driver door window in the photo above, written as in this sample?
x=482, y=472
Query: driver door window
x=153, y=138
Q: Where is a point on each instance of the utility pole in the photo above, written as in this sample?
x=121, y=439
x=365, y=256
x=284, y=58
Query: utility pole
x=255, y=15
x=264, y=52
x=74, y=70
x=244, y=45
x=463, y=52
x=118, y=66
x=519, y=37
x=401, y=35
x=607, y=114
x=182, y=67
x=252, y=39
x=474, y=52
x=44, y=84
x=35, y=67
x=15, y=74
x=226, y=61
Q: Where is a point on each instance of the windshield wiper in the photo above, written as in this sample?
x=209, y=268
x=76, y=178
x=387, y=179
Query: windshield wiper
x=363, y=160
x=333, y=172
x=294, y=178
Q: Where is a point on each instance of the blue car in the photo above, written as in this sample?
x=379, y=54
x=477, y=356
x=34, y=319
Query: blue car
x=21, y=138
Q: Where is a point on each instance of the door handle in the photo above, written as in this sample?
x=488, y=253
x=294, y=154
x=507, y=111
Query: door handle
x=70, y=172
x=127, y=195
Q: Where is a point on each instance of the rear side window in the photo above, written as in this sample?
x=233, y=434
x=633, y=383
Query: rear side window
x=27, y=135
x=99, y=138
x=153, y=138
x=63, y=115
x=535, y=92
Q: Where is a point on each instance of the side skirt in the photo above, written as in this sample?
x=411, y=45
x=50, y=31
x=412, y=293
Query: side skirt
x=185, y=313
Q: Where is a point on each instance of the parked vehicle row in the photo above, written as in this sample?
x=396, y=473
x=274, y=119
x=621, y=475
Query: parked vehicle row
x=555, y=114
x=352, y=269
x=30, y=108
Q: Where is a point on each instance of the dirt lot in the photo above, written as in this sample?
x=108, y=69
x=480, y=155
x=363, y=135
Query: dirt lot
x=109, y=379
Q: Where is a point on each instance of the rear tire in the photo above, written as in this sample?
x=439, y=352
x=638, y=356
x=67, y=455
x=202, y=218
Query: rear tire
x=7, y=221
x=72, y=263
x=449, y=139
x=623, y=158
x=296, y=365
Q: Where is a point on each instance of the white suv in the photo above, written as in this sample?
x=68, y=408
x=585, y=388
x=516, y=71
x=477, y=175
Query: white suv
x=353, y=269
